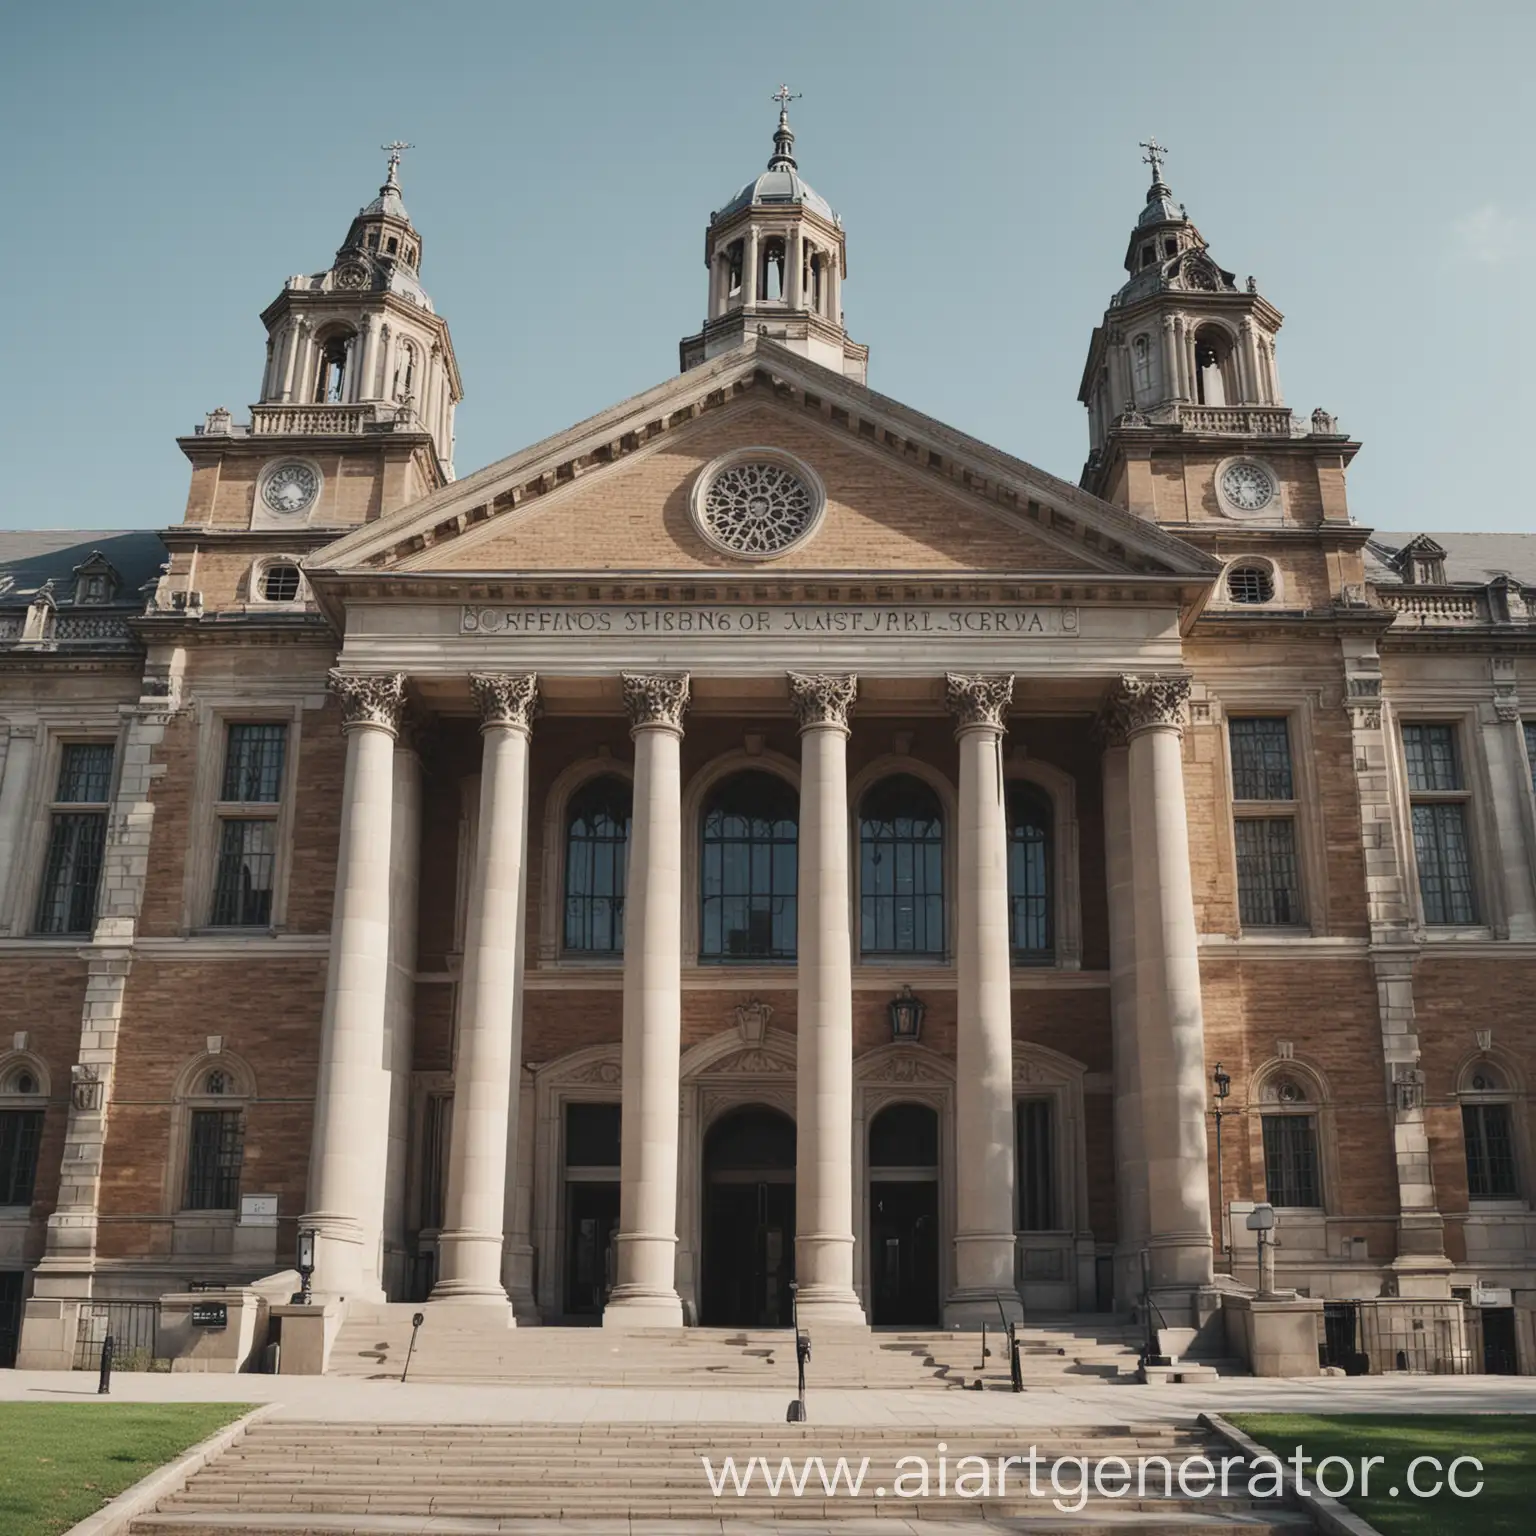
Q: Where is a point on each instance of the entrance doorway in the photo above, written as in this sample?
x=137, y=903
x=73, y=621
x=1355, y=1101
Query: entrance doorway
x=904, y=1216
x=749, y=1220
x=592, y=1135
x=1500, y=1355
x=10, y=1315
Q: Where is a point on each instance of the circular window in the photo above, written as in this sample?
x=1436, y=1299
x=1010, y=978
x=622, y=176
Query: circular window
x=1250, y=584
x=25, y=1083
x=757, y=504
x=290, y=487
x=280, y=582
x=1247, y=487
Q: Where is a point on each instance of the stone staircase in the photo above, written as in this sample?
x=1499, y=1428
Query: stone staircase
x=373, y=1342
x=475, y=1479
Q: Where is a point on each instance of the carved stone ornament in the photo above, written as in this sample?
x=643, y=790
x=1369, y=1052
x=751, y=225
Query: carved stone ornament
x=823, y=698
x=752, y=1021
x=85, y=1086
x=603, y=1074
x=1144, y=702
x=978, y=701
x=656, y=698
x=904, y=1069
x=373, y=701
x=506, y=698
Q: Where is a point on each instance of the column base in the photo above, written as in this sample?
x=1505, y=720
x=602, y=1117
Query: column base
x=1182, y=1260
x=636, y=1307
x=830, y=1307
x=472, y=1311
x=469, y=1268
x=969, y=1309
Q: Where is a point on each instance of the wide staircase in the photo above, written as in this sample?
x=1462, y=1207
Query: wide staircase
x=374, y=1342
x=476, y=1479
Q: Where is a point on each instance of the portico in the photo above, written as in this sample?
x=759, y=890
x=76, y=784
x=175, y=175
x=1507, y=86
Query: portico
x=707, y=671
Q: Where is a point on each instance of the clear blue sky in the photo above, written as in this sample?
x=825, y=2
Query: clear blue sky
x=166, y=165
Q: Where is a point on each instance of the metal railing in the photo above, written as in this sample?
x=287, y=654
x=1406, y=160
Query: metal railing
x=796, y=1412
x=133, y=1326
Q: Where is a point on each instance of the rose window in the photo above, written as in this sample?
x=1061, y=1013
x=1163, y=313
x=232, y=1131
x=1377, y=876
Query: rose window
x=757, y=508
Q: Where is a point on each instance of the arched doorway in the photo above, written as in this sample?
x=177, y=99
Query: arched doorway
x=904, y=1215
x=749, y=1219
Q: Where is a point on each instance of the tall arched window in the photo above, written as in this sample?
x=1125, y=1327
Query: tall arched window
x=749, y=850
x=1292, y=1165
x=1215, y=376
x=1030, y=875
x=1141, y=363
x=596, y=866
x=1488, y=1133
x=331, y=375
x=901, y=869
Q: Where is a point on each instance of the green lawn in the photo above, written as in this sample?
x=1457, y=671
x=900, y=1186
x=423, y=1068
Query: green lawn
x=1504, y=1443
x=60, y=1462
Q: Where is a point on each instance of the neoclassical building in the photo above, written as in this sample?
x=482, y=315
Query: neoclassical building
x=764, y=834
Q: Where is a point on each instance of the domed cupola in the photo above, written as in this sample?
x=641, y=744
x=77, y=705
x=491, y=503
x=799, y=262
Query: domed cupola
x=777, y=260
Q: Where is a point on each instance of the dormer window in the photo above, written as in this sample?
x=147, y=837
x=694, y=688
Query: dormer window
x=1422, y=562
x=1428, y=571
x=95, y=580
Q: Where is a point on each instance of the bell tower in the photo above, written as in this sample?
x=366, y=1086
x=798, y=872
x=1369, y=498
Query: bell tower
x=1186, y=419
x=354, y=415
x=776, y=259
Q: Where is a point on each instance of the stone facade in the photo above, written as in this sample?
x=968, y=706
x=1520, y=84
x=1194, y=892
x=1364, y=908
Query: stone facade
x=1174, y=768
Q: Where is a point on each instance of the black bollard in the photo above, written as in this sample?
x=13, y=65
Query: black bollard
x=417, y=1319
x=104, y=1386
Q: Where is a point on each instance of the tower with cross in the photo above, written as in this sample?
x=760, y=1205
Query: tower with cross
x=777, y=258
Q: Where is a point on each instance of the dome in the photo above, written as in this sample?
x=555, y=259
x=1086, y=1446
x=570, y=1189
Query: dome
x=387, y=204
x=779, y=185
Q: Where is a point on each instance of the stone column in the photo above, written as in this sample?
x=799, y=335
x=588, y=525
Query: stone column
x=1168, y=365
x=824, y=1042
x=469, y=1248
x=1130, y=1149
x=792, y=260
x=351, y=1133
x=984, y=1133
x=295, y=345
x=749, y=272
x=365, y=389
x=1170, y=1018
x=15, y=782
x=645, y=1292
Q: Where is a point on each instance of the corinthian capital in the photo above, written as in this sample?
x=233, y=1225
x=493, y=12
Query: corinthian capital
x=369, y=701
x=1144, y=702
x=978, y=700
x=655, y=698
x=506, y=698
x=823, y=698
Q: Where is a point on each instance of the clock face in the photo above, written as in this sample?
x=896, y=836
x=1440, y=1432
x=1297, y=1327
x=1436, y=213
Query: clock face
x=1247, y=487
x=290, y=488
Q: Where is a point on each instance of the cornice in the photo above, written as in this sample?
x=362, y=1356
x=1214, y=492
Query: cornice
x=1333, y=535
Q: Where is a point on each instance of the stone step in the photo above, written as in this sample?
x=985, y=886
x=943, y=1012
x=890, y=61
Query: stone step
x=1271, y=1523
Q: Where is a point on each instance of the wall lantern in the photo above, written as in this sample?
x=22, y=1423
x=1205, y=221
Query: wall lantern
x=907, y=1016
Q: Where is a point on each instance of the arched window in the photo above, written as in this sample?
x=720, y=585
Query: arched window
x=1030, y=876
x=330, y=380
x=279, y=581
x=748, y=882
x=1250, y=582
x=1215, y=383
x=901, y=869
x=1488, y=1133
x=405, y=371
x=1292, y=1167
x=1141, y=363
x=211, y=1098
x=596, y=866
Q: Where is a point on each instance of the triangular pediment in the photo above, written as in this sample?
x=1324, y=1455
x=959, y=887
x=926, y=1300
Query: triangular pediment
x=902, y=492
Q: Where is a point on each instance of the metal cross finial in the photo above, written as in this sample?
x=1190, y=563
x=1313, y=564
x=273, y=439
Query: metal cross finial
x=394, y=154
x=1154, y=156
x=784, y=96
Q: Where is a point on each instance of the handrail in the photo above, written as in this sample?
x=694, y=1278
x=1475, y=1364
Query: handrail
x=796, y=1412
x=1011, y=1328
x=1150, y=1354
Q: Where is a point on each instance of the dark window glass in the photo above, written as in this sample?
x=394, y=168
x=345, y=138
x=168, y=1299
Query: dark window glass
x=1445, y=863
x=20, y=1132
x=1290, y=1159
x=253, y=764
x=1431, y=756
x=1489, y=1133
x=85, y=773
x=1530, y=751
x=1030, y=856
x=280, y=583
x=242, y=891
x=753, y=1139
x=592, y=1135
x=67, y=902
x=213, y=1160
x=1268, y=892
x=901, y=869
x=750, y=849
x=434, y=1172
x=904, y=1136
x=596, y=866
x=1261, y=758
x=1037, y=1166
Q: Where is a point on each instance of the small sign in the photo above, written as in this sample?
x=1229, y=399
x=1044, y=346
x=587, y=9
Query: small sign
x=210, y=1314
x=1494, y=1296
x=258, y=1210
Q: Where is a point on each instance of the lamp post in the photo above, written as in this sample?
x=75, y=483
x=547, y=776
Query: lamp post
x=306, y=1263
x=907, y=1012
x=1261, y=1220
x=1223, y=1084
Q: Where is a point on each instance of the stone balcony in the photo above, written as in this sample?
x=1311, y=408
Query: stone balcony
x=286, y=419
